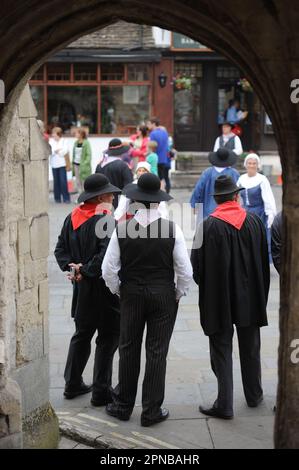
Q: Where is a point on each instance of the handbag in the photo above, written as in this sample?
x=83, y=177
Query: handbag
x=67, y=162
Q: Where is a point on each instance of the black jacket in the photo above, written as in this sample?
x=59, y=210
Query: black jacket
x=232, y=271
x=118, y=173
x=276, y=234
x=91, y=297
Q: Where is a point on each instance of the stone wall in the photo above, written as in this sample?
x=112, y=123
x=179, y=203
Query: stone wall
x=24, y=245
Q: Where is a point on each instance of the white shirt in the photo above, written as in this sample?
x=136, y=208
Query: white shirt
x=181, y=263
x=249, y=182
x=59, y=150
x=238, y=146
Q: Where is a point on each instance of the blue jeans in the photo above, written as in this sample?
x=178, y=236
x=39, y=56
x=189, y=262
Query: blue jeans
x=60, y=184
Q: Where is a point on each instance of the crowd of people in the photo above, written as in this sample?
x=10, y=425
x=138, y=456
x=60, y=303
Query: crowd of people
x=130, y=267
x=151, y=143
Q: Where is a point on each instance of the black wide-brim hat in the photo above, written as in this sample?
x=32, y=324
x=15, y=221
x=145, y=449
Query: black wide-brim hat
x=222, y=157
x=116, y=148
x=95, y=185
x=147, y=189
x=225, y=185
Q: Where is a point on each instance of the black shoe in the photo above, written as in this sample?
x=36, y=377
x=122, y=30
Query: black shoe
x=100, y=401
x=70, y=393
x=164, y=413
x=112, y=410
x=214, y=413
x=255, y=403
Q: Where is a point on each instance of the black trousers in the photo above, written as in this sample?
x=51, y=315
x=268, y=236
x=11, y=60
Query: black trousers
x=79, y=351
x=221, y=361
x=163, y=173
x=155, y=308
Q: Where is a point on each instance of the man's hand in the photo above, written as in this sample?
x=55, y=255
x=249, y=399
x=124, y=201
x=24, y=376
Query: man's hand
x=78, y=276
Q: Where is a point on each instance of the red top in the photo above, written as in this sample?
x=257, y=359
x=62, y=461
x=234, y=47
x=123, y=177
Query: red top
x=84, y=212
x=230, y=212
x=142, y=151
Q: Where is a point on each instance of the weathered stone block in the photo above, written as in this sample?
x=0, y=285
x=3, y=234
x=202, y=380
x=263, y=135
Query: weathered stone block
x=39, y=149
x=40, y=269
x=41, y=428
x=43, y=296
x=36, y=188
x=2, y=352
x=26, y=105
x=10, y=408
x=20, y=150
x=23, y=237
x=33, y=380
x=29, y=280
x=13, y=233
x=15, y=202
x=39, y=237
x=29, y=344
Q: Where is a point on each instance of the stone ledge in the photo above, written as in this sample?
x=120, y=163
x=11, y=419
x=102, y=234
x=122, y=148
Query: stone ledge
x=90, y=437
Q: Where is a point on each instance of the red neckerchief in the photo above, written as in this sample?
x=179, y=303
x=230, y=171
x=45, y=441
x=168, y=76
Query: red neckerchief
x=231, y=212
x=84, y=212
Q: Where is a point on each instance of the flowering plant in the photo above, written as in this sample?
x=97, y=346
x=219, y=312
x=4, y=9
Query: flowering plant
x=245, y=85
x=182, y=83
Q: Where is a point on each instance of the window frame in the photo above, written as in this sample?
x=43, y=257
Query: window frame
x=98, y=83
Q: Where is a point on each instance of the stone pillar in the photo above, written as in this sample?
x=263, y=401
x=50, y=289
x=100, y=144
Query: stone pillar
x=24, y=284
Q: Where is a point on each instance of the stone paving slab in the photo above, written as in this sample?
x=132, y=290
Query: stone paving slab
x=189, y=381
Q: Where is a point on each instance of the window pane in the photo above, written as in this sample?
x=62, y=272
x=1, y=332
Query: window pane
x=39, y=74
x=85, y=72
x=112, y=72
x=227, y=72
x=59, y=72
x=123, y=107
x=138, y=72
x=72, y=106
x=188, y=69
x=37, y=93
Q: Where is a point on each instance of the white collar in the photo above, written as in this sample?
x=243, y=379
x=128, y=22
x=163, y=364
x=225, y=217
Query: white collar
x=146, y=216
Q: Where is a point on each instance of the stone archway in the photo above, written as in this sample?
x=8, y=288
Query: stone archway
x=260, y=37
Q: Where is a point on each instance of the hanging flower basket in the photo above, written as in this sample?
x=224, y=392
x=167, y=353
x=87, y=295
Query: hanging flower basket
x=245, y=85
x=182, y=83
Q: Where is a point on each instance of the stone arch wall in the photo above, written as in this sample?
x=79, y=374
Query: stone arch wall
x=261, y=37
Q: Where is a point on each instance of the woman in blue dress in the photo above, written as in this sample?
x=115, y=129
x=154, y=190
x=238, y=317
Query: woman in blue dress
x=257, y=197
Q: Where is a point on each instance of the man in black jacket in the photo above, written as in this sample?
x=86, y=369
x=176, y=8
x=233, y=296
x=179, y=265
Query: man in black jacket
x=231, y=268
x=93, y=306
x=276, y=235
x=112, y=166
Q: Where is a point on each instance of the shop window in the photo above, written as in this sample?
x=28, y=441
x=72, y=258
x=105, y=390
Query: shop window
x=70, y=107
x=59, y=72
x=227, y=72
x=188, y=69
x=123, y=108
x=112, y=72
x=39, y=74
x=85, y=72
x=138, y=72
x=37, y=93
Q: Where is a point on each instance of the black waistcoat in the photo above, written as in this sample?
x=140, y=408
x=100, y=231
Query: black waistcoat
x=147, y=259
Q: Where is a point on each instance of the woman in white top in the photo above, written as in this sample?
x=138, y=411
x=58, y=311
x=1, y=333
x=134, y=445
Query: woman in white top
x=257, y=196
x=122, y=210
x=58, y=164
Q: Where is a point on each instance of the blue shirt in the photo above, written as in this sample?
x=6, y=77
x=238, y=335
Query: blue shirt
x=205, y=187
x=161, y=137
x=232, y=115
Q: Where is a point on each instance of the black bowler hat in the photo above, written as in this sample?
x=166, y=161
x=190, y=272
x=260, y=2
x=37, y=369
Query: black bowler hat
x=222, y=158
x=228, y=123
x=95, y=185
x=147, y=189
x=225, y=185
x=116, y=148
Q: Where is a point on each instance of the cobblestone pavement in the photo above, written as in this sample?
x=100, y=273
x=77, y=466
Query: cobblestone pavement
x=189, y=382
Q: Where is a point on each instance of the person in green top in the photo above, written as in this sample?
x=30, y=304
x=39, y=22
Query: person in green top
x=81, y=158
x=152, y=157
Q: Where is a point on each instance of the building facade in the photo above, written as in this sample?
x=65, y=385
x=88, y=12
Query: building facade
x=112, y=80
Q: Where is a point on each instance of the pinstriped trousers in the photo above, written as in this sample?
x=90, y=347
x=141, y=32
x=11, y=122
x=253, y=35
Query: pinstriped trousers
x=155, y=308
